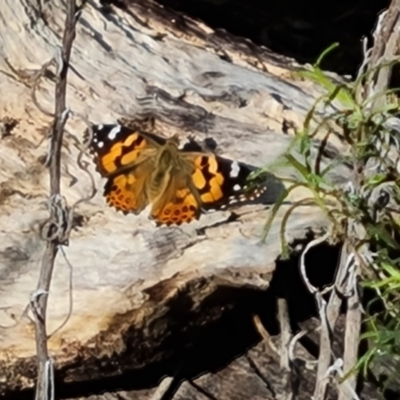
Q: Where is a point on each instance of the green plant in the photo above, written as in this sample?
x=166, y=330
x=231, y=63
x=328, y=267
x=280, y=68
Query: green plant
x=364, y=214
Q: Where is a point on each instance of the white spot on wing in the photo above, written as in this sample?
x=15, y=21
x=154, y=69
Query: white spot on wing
x=236, y=187
x=99, y=127
x=183, y=143
x=114, y=132
x=235, y=168
x=100, y=144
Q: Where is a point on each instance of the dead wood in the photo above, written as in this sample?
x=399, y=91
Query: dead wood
x=140, y=294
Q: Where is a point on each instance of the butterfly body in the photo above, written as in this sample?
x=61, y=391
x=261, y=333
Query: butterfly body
x=167, y=164
x=142, y=169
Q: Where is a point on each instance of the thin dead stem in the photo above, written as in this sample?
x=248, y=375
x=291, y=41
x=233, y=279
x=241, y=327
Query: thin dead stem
x=58, y=212
x=385, y=49
x=283, y=317
x=324, y=358
x=286, y=371
x=309, y=364
x=264, y=334
x=346, y=285
x=70, y=294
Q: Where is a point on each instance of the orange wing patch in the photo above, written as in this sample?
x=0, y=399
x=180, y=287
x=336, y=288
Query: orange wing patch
x=221, y=182
x=123, y=193
x=122, y=154
x=115, y=147
x=183, y=208
x=207, y=179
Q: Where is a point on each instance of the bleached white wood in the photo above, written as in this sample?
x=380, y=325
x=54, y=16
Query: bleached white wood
x=121, y=68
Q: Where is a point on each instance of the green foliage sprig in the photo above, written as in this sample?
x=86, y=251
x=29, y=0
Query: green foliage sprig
x=371, y=199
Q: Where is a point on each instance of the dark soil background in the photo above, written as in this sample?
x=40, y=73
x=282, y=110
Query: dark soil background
x=299, y=29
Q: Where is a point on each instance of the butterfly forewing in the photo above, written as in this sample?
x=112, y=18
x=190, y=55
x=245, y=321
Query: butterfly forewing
x=222, y=182
x=116, y=148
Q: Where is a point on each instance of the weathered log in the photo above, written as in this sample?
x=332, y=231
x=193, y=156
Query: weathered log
x=139, y=293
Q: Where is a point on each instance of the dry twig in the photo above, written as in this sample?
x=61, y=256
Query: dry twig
x=283, y=316
x=385, y=49
x=309, y=364
x=324, y=358
x=353, y=325
x=58, y=212
x=264, y=334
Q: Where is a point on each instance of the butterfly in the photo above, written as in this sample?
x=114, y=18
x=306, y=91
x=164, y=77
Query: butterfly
x=145, y=169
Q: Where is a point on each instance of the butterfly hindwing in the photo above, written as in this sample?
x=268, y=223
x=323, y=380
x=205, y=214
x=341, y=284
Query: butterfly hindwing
x=178, y=204
x=126, y=191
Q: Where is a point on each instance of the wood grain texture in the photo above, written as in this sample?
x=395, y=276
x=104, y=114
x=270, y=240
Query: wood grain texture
x=256, y=375
x=128, y=276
